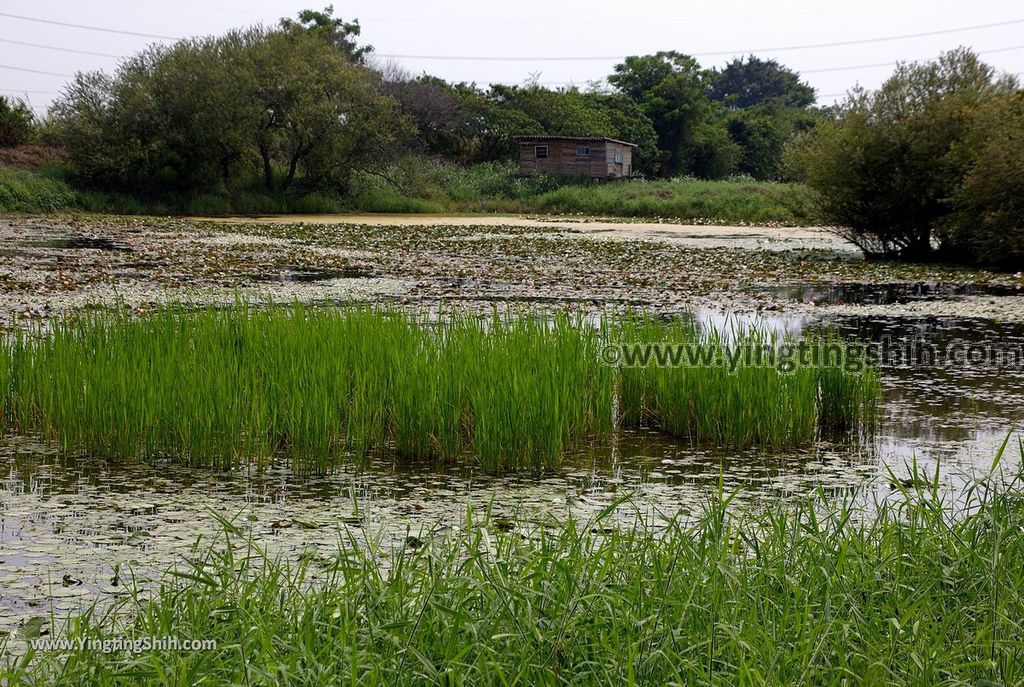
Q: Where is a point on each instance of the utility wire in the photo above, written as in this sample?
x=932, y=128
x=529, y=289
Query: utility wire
x=808, y=46
x=59, y=48
x=36, y=71
x=88, y=28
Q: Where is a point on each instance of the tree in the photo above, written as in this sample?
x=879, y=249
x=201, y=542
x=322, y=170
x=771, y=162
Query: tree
x=751, y=81
x=16, y=122
x=630, y=123
x=672, y=89
x=195, y=116
x=335, y=31
x=762, y=132
x=987, y=222
x=883, y=168
x=559, y=113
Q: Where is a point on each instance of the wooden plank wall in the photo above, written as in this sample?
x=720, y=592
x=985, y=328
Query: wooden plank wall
x=562, y=159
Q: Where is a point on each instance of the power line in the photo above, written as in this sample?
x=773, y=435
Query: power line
x=808, y=46
x=22, y=90
x=893, y=64
x=88, y=28
x=54, y=47
x=861, y=41
x=36, y=71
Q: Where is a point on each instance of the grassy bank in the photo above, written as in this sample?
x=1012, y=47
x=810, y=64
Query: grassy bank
x=430, y=187
x=221, y=387
x=918, y=593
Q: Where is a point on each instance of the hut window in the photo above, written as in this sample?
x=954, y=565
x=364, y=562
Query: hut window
x=618, y=157
x=582, y=151
x=542, y=152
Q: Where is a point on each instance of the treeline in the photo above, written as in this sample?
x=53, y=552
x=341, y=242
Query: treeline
x=299, y=107
x=929, y=166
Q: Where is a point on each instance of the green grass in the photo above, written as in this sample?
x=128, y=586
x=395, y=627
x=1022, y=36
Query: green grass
x=320, y=385
x=25, y=191
x=424, y=186
x=919, y=592
x=682, y=199
x=775, y=404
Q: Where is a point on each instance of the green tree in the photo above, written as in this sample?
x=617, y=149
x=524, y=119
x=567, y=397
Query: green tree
x=987, y=222
x=630, y=123
x=751, y=81
x=672, y=89
x=763, y=132
x=16, y=122
x=203, y=115
x=883, y=167
x=337, y=32
x=559, y=113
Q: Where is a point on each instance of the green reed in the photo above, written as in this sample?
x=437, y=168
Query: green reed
x=222, y=387
x=922, y=589
x=769, y=397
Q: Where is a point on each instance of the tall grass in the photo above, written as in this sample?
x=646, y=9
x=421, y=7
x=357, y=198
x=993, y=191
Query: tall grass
x=425, y=186
x=25, y=191
x=771, y=401
x=919, y=592
x=512, y=391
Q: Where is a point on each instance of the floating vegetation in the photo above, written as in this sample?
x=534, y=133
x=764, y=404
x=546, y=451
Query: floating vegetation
x=319, y=385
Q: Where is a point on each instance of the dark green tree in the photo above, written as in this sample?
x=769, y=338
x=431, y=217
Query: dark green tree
x=16, y=122
x=751, y=81
x=335, y=31
x=884, y=168
x=672, y=90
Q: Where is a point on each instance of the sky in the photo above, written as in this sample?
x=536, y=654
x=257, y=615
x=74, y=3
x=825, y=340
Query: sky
x=801, y=34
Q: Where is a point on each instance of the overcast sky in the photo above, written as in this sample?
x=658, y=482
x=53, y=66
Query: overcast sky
x=535, y=29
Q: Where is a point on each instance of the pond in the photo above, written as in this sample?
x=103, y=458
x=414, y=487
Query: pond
x=71, y=527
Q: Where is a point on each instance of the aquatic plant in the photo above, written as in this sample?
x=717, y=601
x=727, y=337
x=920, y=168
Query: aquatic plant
x=741, y=387
x=921, y=589
x=317, y=385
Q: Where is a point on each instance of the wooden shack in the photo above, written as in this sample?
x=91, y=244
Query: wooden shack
x=587, y=156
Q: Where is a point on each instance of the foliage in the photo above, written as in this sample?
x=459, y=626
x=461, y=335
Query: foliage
x=335, y=31
x=884, y=167
x=919, y=588
x=672, y=89
x=752, y=81
x=320, y=386
x=298, y=107
x=987, y=221
x=762, y=133
x=25, y=191
x=206, y=114
x=17, y=122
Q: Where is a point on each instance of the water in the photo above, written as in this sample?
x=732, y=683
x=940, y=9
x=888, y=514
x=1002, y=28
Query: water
x=304, y=275
x=884, y=294
x=71, y=526
x=75, y=243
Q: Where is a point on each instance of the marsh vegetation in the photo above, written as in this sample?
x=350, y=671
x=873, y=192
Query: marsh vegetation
x=512, y=391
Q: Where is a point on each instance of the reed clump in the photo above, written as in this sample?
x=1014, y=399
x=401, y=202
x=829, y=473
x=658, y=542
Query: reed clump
x=222, y=387
x=925, y=590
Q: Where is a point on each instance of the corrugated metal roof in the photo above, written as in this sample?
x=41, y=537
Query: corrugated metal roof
x=575, y=138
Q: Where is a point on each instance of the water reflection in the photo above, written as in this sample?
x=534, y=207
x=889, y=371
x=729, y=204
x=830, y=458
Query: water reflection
x=85, y=518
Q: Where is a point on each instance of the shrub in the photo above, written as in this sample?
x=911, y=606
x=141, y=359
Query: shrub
x=987, y=224
x=16, y=122
x=883, y=167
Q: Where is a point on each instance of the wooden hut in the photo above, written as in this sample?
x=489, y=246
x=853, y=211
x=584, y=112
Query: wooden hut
x=587, y=156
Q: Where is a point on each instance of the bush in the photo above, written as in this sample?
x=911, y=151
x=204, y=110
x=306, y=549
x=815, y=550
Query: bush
x=987, y=224
x=883, y=167
x=16, y=122
x=25, y=191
